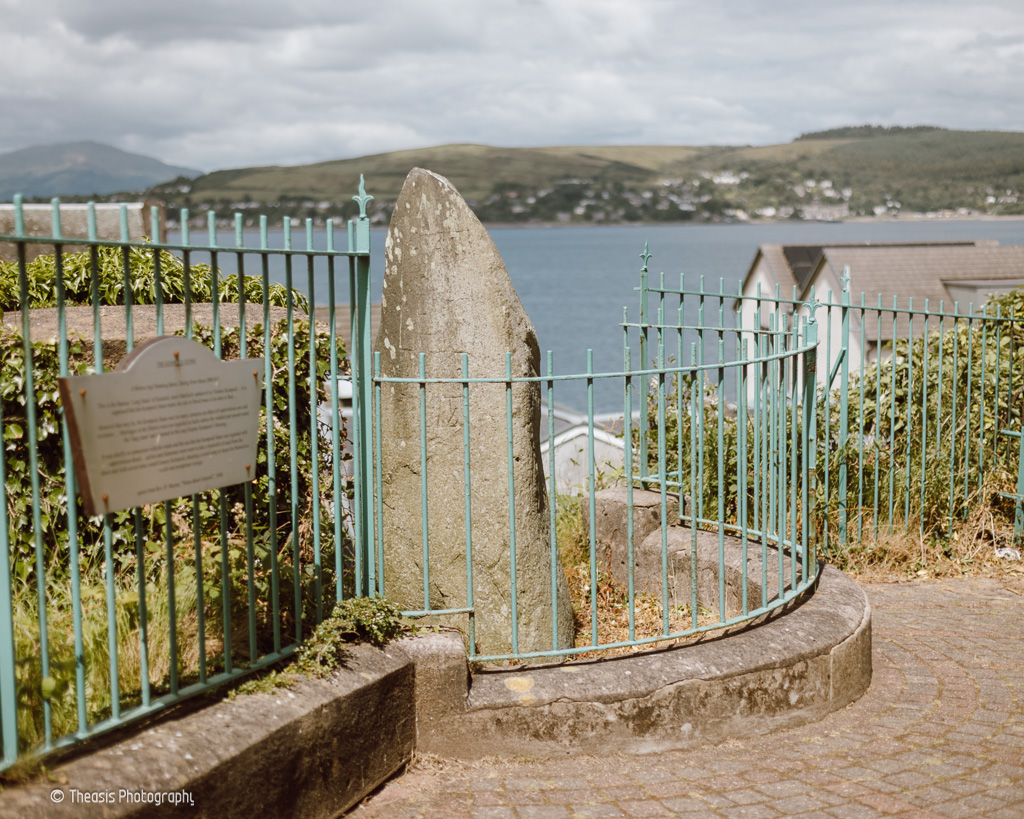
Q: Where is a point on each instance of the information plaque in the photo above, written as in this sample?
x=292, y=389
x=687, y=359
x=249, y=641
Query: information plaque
x=171, y=420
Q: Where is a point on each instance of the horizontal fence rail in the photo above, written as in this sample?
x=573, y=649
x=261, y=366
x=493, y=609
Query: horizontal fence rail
x=104, y=620
x=679, y=433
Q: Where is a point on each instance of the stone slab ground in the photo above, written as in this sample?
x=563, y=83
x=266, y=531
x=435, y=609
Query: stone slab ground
x=940, y=733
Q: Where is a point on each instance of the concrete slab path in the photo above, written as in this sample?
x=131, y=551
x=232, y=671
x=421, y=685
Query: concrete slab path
x=940, y=733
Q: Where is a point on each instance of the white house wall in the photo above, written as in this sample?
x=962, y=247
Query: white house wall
x=761, y=277
x=572, y=459
x=749, y=318
x=978, y=293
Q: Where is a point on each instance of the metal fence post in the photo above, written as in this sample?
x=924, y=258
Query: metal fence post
x=844, y=398
x=1018, y=516
x=1018, y=498
x=810, y=436
x=644, y=421
x=362, y=392
x=8, y=682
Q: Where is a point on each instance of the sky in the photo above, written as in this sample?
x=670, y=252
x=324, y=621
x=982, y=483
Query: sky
x=213, y=84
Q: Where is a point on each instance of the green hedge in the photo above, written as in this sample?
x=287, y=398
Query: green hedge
x=50, y=448
x=138, y=266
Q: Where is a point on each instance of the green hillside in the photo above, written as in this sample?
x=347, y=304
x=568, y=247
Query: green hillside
x=473, y=169
x=858, y=170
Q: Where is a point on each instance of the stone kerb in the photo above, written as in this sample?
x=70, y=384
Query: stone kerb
x=74, y=225
x=789, y=667
x=44, y=323
x=447, y=293
x=312, y=750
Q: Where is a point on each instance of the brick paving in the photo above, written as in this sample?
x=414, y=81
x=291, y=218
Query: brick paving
x=939, y=734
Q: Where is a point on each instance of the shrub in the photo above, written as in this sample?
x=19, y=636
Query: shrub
x=229, y=569
x=50, y=473
x=119, y=270
x=891, y=479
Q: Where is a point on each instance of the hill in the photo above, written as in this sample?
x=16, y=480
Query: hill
x=473, y=169
x=866, y=170
x=80, y=169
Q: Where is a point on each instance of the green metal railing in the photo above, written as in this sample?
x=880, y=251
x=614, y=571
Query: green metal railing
x=793, y=431
x=912, y=412
x=104, y=620
x=682, y=436
x=783, y=431
x=1018, y=496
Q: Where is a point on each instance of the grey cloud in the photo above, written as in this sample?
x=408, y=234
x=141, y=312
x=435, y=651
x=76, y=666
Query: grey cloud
x=194, y=20
x=220, y=83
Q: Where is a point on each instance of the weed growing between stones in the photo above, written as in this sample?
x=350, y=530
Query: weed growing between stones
x=612, y=598
x=375, y=620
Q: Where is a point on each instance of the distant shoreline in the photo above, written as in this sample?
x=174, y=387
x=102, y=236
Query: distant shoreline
x=906, y=220
x=909, y=219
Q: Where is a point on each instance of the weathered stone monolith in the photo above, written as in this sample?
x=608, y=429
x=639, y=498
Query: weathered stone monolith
x=447, y=292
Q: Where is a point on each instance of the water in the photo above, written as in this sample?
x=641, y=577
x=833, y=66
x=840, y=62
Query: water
x=574, y=281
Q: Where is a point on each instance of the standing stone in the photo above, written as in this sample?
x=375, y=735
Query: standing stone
x=447, y=292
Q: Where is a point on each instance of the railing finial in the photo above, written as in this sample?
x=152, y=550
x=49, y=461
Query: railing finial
x=811, y=306
x=646, y=256
x=363, y=198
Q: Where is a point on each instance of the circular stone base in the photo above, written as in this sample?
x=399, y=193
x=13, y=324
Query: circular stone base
x=791, y=666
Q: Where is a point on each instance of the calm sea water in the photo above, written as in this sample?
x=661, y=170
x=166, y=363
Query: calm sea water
x=575, y=281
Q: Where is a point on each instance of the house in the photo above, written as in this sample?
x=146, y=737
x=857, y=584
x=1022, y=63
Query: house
x=572, y=448
x=953, y=276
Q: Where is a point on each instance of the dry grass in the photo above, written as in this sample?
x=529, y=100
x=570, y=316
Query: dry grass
x=970, y=549
x=613, y=614
x=612, y=598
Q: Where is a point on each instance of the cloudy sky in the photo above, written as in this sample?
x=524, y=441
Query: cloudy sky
x=226, y=83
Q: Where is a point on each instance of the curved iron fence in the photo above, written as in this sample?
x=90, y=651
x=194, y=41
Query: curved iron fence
x=919, y=414
x=730, y=441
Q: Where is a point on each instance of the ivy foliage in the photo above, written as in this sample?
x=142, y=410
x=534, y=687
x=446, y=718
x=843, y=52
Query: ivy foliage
x=49, y=447
x=925, y=421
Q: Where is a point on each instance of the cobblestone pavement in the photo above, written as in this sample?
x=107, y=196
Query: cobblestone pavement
x=940, y=733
